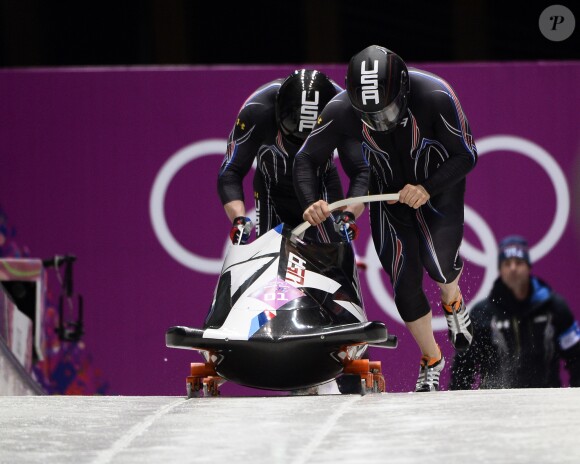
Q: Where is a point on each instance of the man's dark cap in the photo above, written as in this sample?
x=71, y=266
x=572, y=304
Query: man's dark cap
x=513, y=246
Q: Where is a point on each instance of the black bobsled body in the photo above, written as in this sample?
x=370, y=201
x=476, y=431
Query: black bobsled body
x=286, y=315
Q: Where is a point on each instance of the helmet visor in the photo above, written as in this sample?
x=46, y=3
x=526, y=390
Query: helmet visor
x=387, y=118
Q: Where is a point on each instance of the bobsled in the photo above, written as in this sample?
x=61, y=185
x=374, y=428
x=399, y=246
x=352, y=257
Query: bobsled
x=286, y=315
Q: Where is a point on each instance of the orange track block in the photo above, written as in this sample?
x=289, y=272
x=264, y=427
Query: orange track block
x=203, y=380
x=369, y=371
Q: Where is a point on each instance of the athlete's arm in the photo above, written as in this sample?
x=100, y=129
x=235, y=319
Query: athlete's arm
x=314, y=153
x=355, y=166
x=235, y=209
x=330, y=183
x=453, y=132
x=328, y=135
x=243, y=143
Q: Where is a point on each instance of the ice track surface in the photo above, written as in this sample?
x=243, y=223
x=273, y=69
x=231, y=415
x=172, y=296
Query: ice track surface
x=499, y=426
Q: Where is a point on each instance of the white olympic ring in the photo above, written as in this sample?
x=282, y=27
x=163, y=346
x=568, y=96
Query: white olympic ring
x=157, y=205
x=557, y=177
x=486, y=258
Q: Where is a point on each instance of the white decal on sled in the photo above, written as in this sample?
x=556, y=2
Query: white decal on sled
x=296, y=269
x=297, y=274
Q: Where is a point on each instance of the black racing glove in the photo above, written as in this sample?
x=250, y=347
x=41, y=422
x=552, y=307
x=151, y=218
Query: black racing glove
x=241, y=228
x=346, y=226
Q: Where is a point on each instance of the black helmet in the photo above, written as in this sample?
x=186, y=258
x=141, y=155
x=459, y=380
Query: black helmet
x=300, y=99
x=377, y=82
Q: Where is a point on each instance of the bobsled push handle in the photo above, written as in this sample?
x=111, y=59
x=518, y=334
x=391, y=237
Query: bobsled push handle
x=347, y=202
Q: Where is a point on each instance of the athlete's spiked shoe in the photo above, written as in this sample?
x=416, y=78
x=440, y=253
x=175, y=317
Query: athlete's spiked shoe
x=459, y=324
x=429, y=373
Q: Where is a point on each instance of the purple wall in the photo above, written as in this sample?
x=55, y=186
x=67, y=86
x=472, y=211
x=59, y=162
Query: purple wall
x=81, y=150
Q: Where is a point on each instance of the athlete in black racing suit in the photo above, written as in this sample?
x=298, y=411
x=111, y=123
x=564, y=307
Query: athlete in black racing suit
x=417, y=142
x=270, y=128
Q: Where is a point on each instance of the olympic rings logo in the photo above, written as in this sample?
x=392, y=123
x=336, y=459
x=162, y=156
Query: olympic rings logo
x=486, y=258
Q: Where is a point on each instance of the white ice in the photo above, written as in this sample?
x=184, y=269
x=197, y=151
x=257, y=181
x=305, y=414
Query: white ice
x=493, y=426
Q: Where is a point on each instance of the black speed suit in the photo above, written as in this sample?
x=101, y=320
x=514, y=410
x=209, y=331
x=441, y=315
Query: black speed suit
x=432, y=146
x=256, y=136
x=519, y=344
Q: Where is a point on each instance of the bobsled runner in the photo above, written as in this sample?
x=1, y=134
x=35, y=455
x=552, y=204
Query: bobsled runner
x=286, y=315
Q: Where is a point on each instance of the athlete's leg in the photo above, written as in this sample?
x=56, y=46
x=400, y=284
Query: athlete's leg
x=450, y=292
x=422, y=332
x=397, y=246
x=440, y=223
